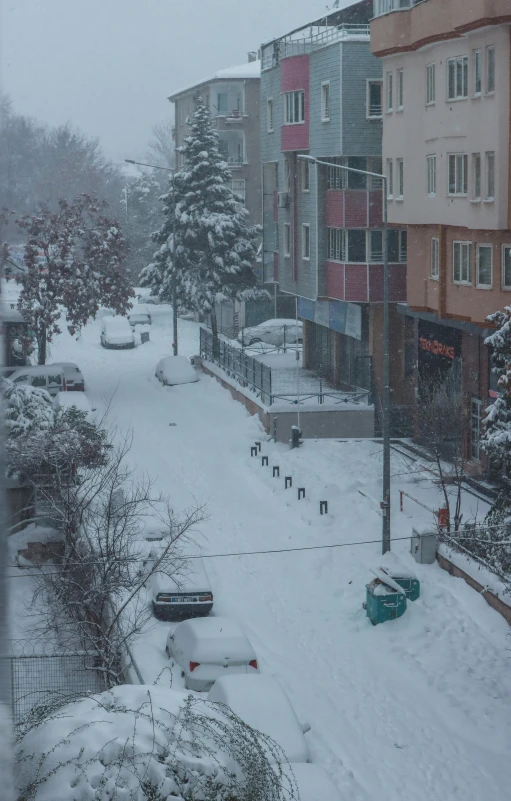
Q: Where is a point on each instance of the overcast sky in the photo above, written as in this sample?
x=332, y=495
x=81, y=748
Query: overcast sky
x=108, y=66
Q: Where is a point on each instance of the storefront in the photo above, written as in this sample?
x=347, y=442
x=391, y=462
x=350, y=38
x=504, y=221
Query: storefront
x=439, y=355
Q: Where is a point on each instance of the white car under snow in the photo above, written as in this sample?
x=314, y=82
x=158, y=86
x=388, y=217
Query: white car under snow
x=172, y=370
x=273, y=332
x=116, y=332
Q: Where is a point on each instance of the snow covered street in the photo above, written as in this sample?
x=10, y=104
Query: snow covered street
x=415, y=709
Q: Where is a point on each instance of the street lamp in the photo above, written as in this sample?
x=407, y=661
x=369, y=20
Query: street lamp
x=174, y=276
x=385, y=505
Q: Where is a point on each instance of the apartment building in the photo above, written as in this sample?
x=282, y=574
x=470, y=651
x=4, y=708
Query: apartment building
x=321, y=96
x=446, y=122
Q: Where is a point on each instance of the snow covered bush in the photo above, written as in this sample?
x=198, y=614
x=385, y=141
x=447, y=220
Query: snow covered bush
x=140, y=743
x=27, y=409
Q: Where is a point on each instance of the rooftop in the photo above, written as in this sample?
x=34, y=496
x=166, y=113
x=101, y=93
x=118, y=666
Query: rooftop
x=247, y=71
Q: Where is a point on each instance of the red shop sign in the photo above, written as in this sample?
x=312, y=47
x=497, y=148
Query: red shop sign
x=433, y=346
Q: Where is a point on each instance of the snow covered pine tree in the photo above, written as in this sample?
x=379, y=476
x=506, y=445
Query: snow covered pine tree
x=496, y=440
x=216, y=245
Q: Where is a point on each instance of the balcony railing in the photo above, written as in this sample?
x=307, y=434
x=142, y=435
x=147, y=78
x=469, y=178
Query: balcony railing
x=386, y=6
x=375, y=110
x=306, y=40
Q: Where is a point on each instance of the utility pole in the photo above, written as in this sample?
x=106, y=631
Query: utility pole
x=174, y=275
x=385, y=503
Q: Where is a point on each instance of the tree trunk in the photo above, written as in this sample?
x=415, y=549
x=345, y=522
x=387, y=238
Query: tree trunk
x=41, y=344
x=214, y=331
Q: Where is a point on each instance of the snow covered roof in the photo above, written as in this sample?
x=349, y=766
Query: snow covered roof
x=251, y=69
x=323, y=14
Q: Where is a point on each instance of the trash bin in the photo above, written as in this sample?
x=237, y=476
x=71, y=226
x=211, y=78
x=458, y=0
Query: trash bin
x=144, y=337
x=383, y=603
x=410, y=584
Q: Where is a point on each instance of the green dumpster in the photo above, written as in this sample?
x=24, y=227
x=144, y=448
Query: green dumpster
x=383, y=602
x=410, y=584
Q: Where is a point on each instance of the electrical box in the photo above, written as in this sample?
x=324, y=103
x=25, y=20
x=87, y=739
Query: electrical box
x=383, y=602
x=424, y=546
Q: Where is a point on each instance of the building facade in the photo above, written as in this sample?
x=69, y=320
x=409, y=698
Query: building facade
x=321, y=96
x=446, y=73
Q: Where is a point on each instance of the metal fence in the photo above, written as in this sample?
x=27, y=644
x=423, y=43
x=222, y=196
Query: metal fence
x=250, y=373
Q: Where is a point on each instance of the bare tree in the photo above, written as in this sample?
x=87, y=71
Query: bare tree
x=161, y=148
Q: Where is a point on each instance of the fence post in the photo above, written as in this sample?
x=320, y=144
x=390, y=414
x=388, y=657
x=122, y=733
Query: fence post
x=284, y=339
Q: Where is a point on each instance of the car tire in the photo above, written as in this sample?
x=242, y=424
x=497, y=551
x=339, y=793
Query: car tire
x=299, y=341
x=182, y=674
x=167, y=651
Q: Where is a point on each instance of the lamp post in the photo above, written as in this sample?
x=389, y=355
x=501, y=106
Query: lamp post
x=385, y=504
x=174, y=276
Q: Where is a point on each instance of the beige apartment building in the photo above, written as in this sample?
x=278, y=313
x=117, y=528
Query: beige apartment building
x=446, y=151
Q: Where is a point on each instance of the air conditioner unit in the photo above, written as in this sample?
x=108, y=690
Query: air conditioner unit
x=284, y=200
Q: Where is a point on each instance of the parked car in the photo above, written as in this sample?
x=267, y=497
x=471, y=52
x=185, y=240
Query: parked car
x=273, y=332
x=314, y=783
x=75, y=381
x=172, y=370
x=78, y=400
x=116, y=332
x=189, y=595
x=139, y=315
x=262, y=703
x=209, y=647
x=152, y=300
x=47, y=376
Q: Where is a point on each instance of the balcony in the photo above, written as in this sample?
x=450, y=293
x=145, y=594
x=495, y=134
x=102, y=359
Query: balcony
x=382, y=7
x=307, y=39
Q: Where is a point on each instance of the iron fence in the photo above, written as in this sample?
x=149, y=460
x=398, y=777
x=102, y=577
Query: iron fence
x=250, y=373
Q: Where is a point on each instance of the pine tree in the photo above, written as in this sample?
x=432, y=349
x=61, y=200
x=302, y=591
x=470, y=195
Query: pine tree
x=497, y=436
x=27, y=409
x=142, y=211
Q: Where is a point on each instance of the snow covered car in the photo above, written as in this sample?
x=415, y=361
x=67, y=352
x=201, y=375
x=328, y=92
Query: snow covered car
x=262, y=703
x=189, y=595
x=78, y=400
x=206, y=648
x=75, y=381
x=49, y=377
x=314, y=783
x=273, y=332
x=139, y=315
x=116, y=332
x=172, y=370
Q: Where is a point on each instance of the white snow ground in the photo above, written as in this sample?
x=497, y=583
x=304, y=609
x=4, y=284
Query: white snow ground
x=418, y=709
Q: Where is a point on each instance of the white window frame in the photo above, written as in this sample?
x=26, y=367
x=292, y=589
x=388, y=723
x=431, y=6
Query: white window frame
x=389, y=92
x=490, y=71
x=287, y=240
x=477, y=72
x=435, y=259
x=459, y=62
x=369, y=115
x=400, y=170
x=287, y=174
x=325, y=101
x=270, y=115
x=306, y=241
x=476, y=177
x=430, y=84
x=464, y=247
x=375, y=257
x=290, y=99
x=243, y=194
x=484, y=246
x=305, y=175
x=489, y=176
x=503, y=267
x=403, y=251
x=460, y=158
x=337, y=245
x=390, y=179
x=431, y=175
x=400, y=89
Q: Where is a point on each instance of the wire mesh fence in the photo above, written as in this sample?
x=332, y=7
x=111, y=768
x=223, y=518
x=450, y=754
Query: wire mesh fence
x=248, y=371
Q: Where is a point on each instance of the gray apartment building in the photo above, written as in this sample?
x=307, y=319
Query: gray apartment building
x=321, y=95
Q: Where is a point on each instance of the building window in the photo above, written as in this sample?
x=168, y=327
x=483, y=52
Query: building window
x=336, y=244
x=306, y=175
x=390, y=91
x=435, y=258
x=461, y=264
x=306, y=241
x=269, y=115
x=403, y=246
x=490, y=175
x=287, y=175
x=222, y=103
x=336, y=178
x=475, y=427
x=476, y=175
x=357, y=246
x=400, y=177
x=294, y=107
x=376, y=250
x=400, y=89
x=357, y=180
x=457, y=80
x=477, y=65
x=396, y=246
x=376, y=166
x=430, y=84
x=458, y=167
x=374, y=100
x=490, y=70
x=287, y=240
x=238, y=188
x=390, y=179
x=431, y=174
x=484, y=266
x=506, y=266
x=325, y=101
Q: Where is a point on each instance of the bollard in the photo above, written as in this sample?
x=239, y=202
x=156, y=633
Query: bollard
x=258, y=446
x=276, y=471
x=253, y=450
x=275, y=429
x=301, y=492
x=264, y=461
x=295, y=437
x=288, y=482
x=323, y=507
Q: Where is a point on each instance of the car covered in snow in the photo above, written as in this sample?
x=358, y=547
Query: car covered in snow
x=314, y=783
x=78, y=400
x=139, y=315
x=172, y=370
x=187, y=595
x=275, y=332
x=206, y=648
x=43, y=376
x=75, y=381
x=116, y=332
x=260, y=701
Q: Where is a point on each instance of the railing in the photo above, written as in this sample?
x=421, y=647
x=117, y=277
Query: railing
x=382, y=7
x=249, y=372
x=319, y=36
x=376, y=110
